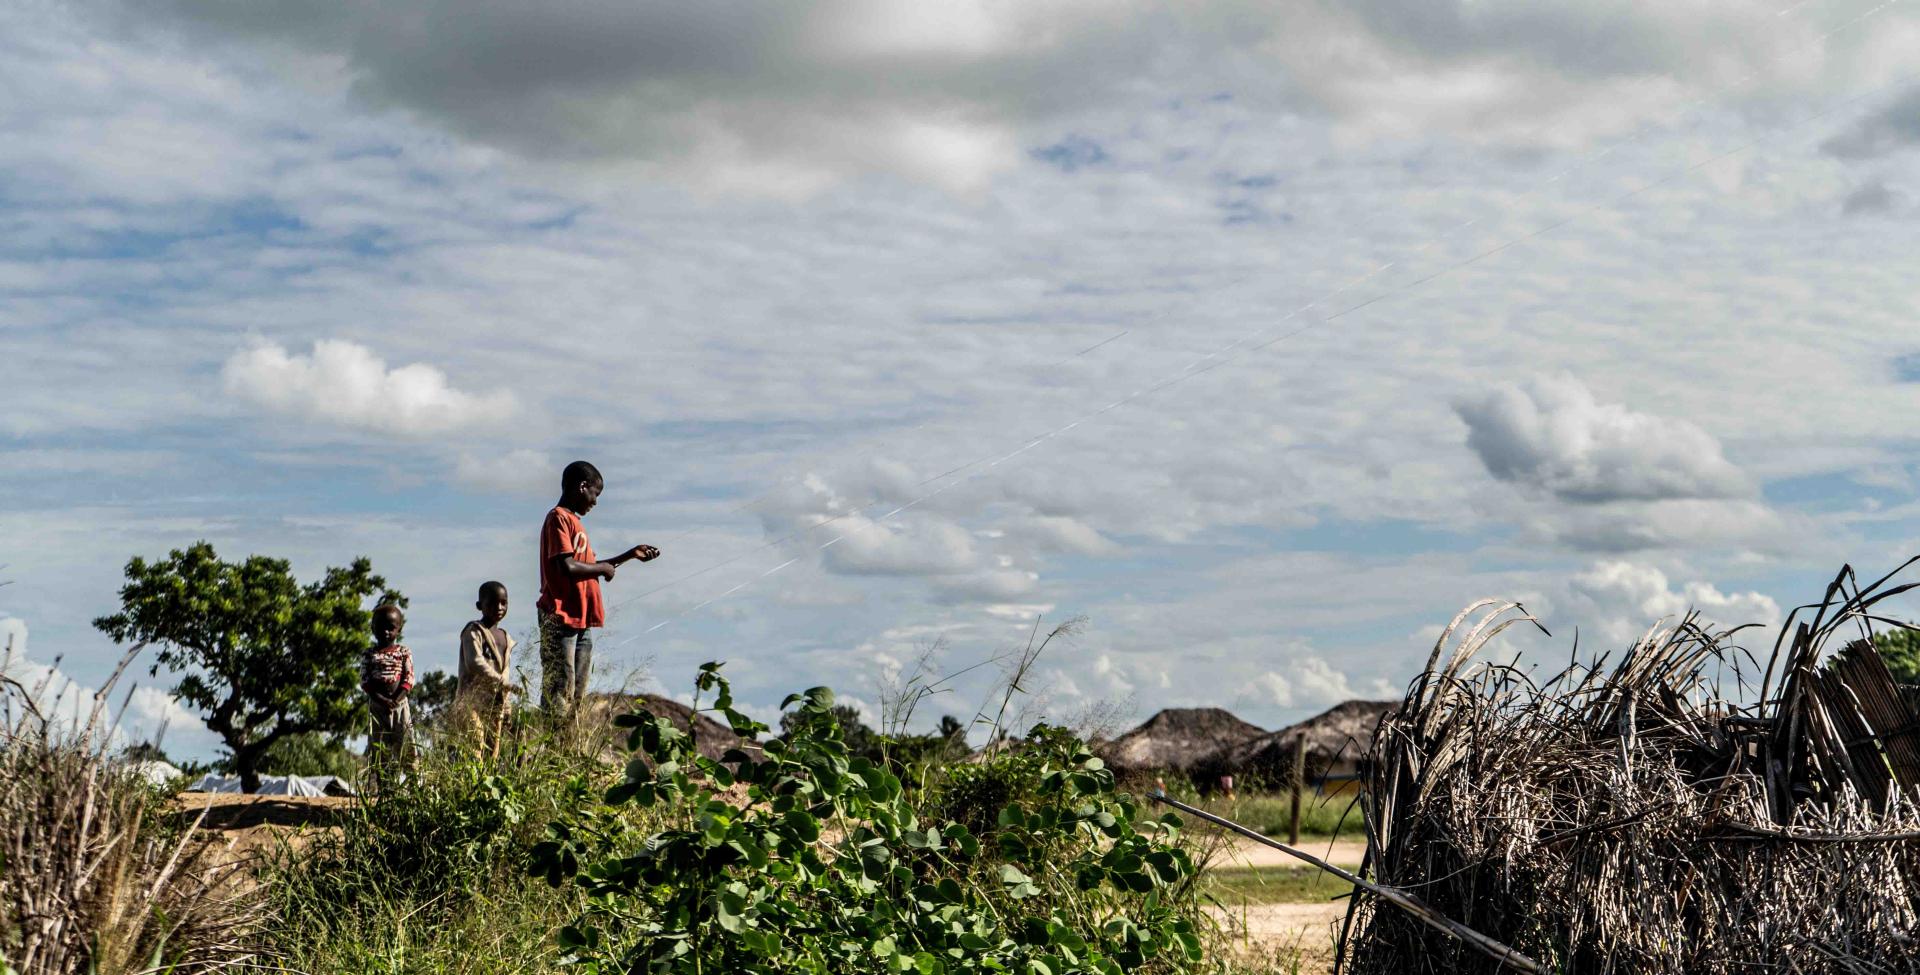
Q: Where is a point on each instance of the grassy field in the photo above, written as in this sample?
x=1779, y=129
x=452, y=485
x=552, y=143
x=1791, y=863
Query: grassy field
x=1320, y=816
x=1236, y=886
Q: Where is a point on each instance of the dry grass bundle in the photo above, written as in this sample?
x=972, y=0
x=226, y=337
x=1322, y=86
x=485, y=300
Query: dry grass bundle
x=1640, y=817
x=92, y=876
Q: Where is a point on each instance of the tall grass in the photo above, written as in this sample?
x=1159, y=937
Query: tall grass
x=429, y=875
x=96, y=873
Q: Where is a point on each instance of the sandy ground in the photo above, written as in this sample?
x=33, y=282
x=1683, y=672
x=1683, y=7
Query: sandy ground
x=234, y=828
x=1271, y=934
x=1247, y=853
x=1269, y=931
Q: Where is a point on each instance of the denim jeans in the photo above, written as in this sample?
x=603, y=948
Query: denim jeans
x=566, y=660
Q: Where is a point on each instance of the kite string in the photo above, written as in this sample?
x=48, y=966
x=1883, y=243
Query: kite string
x=1213, y=359
x=1579, y=161
x=1178, y=378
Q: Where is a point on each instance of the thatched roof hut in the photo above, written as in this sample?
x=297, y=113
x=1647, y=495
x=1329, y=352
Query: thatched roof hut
x=1335, y=741
x=1176, y=739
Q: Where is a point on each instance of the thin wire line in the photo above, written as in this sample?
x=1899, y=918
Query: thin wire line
x=1185, y=375
x=790, y=478
x=1579, y=161
x=1211, y=360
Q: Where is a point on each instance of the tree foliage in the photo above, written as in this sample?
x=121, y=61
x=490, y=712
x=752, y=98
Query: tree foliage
x=312, y=753
x=433, y=695
x=260, y=656
x=1901, y=650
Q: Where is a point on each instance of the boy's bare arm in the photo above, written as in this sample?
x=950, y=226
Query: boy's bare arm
x=645, y=553
x=603, y=569
x=574, y=568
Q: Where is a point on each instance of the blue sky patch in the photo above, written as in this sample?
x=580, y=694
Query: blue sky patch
x=1071, y=154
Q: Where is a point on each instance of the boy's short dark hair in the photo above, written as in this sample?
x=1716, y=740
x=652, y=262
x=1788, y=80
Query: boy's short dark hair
x=579, y=471
x=393, y=608
x=492, y=586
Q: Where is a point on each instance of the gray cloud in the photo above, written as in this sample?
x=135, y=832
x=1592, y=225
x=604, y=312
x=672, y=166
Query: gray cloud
x=1735, y=525
x=1892, y=128
x=764, y=96
x=1873, y=198
x=1552, y=435
x=789, y=98
x=1574, y=37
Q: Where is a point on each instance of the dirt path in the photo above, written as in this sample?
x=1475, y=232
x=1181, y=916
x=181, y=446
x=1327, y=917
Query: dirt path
x=1266, y=932
x=1269, y=935
x=1246, y=853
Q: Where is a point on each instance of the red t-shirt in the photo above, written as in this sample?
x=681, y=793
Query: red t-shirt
x=576, y=602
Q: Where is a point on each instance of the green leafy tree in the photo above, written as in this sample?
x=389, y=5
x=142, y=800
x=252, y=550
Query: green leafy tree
x=433, y=695
x=861, y=740
x=1901, y=650
x=312, y=753
x=261, y=656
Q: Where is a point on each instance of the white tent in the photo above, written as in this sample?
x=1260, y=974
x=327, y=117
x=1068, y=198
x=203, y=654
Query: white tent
x=279, y=785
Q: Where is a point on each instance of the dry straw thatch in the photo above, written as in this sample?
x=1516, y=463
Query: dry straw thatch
x=1335, y=740
x=1658, y=814
x=88, y=883
x=1177, y=739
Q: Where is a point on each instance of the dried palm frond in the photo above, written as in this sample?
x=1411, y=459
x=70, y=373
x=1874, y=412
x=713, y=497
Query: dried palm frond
x=1641, y=817
x=93, y=877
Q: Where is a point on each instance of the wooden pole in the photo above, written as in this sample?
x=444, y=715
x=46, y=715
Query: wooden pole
x=1299, y=784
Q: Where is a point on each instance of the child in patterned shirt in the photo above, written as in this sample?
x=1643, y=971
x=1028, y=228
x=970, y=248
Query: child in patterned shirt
x=386, y=675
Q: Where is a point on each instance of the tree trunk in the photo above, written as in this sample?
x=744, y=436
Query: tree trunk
x=246, y=761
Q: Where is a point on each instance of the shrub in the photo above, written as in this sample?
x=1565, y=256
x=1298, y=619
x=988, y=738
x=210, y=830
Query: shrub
x=816, y=860
x=429, y=875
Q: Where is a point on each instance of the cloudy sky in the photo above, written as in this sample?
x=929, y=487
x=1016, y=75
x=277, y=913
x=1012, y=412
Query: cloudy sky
x=1264, y=336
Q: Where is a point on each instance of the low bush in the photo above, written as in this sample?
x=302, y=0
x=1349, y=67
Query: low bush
x=815, y=860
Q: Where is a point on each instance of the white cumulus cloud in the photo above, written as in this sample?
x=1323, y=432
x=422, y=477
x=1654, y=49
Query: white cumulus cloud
x=346, y=384
x=1552, y=434
x=1619, y=601
x=1311, y=682
x=148, y=714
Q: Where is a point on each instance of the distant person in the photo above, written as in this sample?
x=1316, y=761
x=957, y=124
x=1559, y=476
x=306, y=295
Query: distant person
x=486, y=654
x=386, y=675
x=570, y=604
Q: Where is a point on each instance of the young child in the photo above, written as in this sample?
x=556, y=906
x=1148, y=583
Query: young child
x=570, y=605
x=386, y=675
x=486, y=652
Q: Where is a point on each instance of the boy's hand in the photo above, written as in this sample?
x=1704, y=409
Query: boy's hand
x=645, y=553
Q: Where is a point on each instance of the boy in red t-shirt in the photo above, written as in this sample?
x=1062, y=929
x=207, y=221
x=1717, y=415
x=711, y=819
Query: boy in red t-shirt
x=570, y=605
